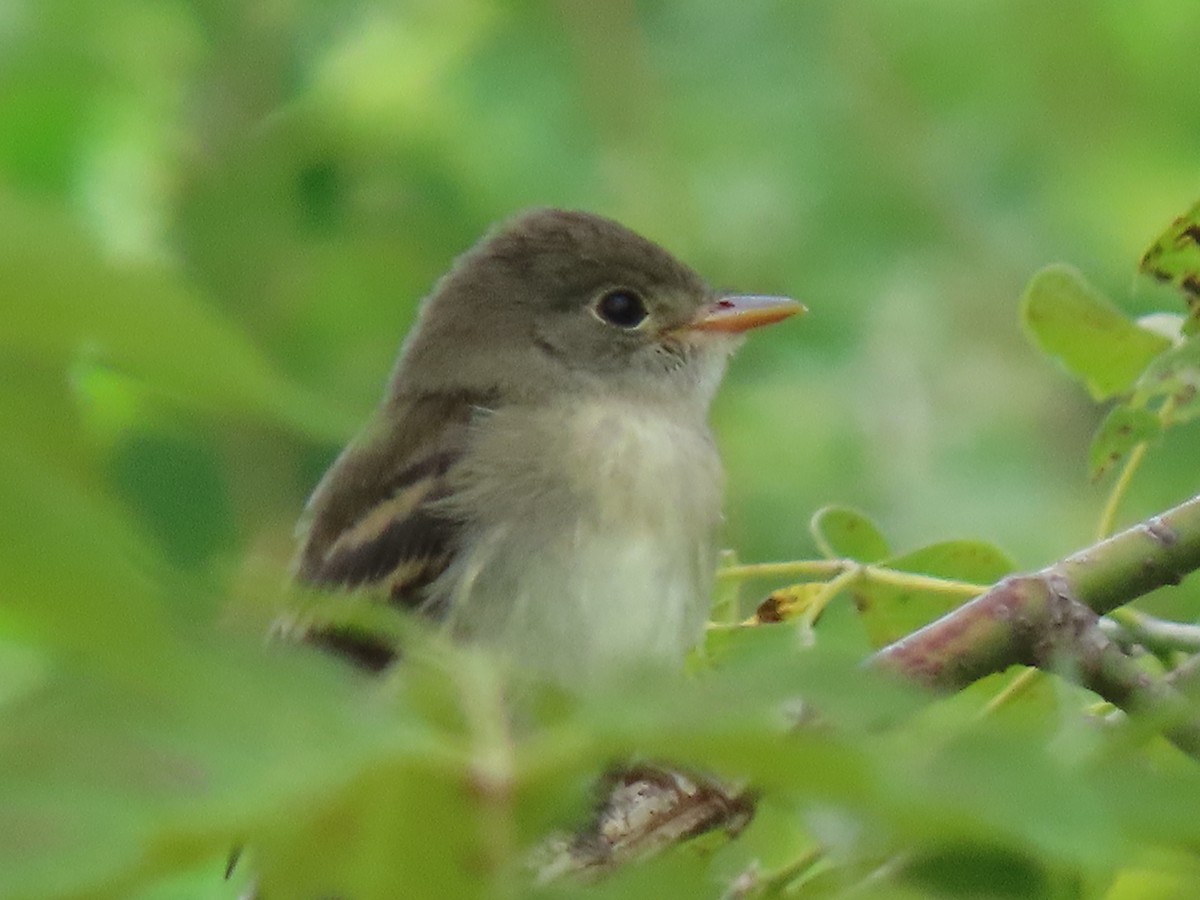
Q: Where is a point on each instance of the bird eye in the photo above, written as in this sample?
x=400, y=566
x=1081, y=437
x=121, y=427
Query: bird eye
x=624, y=309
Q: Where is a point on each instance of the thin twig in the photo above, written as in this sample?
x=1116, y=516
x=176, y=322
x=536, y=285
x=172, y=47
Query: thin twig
x=1129, y=626
x=823, y=568
x=1020, y=684
x=915, y=581
x=1108, y=516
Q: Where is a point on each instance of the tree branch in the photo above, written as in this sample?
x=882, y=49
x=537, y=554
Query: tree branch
x=1050, y=619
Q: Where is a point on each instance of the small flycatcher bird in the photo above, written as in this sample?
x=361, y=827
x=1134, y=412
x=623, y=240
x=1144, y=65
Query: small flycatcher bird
x=540, y=475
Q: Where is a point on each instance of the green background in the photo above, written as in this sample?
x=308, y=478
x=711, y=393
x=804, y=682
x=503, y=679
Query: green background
x=217, y=220
x=304, y=171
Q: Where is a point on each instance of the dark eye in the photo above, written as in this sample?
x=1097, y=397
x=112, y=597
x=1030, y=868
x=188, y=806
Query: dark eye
x=624, y=309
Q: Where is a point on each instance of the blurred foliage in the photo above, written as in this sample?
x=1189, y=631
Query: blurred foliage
x=216, y=221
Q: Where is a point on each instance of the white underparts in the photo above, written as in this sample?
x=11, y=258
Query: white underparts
x=595, y=556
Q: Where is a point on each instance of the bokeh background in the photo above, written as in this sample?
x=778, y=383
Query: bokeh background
x=217, y=219
x=297, y=174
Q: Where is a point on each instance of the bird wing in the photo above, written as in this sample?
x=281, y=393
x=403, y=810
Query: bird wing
x=377, y=520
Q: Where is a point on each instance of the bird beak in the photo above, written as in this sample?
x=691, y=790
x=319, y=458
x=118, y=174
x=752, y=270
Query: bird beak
x=741, y=312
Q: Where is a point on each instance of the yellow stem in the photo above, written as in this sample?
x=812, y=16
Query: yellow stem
x=1108, y=516
x=492, y=760
x=836, y=568
x=1014, y=689
x=777, y=882
x=831, y=589
x=823, y=567
x=884, y=575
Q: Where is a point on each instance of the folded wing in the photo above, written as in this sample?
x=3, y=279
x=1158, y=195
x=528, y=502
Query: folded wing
x=378, y=521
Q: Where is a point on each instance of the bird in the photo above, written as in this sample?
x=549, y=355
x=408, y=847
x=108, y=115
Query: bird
x=540, y=477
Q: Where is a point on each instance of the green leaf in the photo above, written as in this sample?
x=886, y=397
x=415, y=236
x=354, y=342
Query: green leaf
x=978, y=870
x=977, y=562
x=1122, y=429
x=1072, y=322
x=844, y=533
x=366, y=837
x=1175, y=374
x=105, y=780
x=892, y=610
x=76, y=572
x=1175, y=259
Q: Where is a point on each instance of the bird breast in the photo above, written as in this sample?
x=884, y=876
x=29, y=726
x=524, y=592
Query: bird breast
x=595, y=553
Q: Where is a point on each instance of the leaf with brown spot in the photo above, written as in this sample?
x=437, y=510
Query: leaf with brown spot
x=1176, y=375
x=1175, y=259
x=890, y=610
x=1122, y=429
x=789, y=602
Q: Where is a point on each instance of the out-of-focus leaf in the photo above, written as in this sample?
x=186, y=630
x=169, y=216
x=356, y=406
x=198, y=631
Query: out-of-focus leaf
x=23, y=669
x=770, y=845
x=125, y=744
x=1168, y=874
x=64, y=302
x=198, y=883
x=1175, y=259
x=1174, y=374
x=736, y=712
x=1074, y=323
x=1122, y=429
x=369, y=833
x=669, y=875
x=1003, y=785
x=178, y=488
x=974, y=870
x=846, y=533
x=891, y=611
x=77, y=579
x=104, y=779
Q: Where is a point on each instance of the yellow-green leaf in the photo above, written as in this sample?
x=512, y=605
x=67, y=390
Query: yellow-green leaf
x=844, y=533
x=1094, y=341
x=1122, y=429
x=1175, y=375
x=893, y=609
